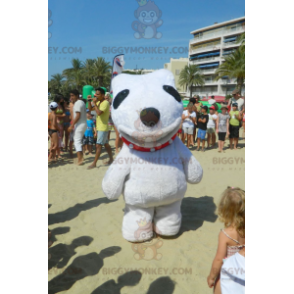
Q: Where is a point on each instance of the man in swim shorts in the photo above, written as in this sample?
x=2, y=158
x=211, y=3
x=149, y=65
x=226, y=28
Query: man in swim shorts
x=53, y=131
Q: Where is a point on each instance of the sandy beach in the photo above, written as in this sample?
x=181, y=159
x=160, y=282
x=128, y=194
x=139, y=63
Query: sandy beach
x=89, y=254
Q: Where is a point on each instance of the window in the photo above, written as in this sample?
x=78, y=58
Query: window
x=177, y=72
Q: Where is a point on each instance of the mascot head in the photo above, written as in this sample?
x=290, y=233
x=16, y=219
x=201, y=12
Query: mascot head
x=149, y=13
x=146, y=109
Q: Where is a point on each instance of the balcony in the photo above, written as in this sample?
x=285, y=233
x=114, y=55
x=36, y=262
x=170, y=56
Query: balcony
x=211, y=83
x=228, y=82
x=207, y=48
x=208, y=71
x=220, y=33
x=198, y=61
x=230, y=44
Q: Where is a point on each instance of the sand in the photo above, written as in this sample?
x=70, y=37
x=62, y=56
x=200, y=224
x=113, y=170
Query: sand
x=89, y=254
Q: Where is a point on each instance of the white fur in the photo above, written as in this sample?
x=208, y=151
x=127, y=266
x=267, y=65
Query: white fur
x=153, y=183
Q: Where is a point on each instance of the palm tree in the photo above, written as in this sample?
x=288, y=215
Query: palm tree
x=77, y=65
x=55, y=83
x=233, y=67
x=101, y=71
x=190, y=76
x=88, y=70
x=74, y=72
x=241, y=39
x=65, y=88
x=79, y=80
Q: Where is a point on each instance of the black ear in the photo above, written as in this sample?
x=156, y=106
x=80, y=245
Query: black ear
x=172, y=91
x=120, y=97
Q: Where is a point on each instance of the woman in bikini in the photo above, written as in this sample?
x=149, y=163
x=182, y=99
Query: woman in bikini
x=60, y=114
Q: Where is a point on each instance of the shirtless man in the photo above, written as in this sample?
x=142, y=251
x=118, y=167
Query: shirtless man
x=53, y=131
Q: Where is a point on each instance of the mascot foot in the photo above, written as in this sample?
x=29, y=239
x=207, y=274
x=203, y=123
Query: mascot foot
x=167, y=219
x=158, y=35
x=137, y=223
x=137, y=36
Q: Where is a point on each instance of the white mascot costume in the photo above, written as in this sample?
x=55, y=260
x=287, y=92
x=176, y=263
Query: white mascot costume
x=153, y=166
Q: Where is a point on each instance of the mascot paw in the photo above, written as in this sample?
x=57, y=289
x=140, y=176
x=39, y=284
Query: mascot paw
x=158, y=256
x=158, y=35
x=137, y=256
x=159, y=244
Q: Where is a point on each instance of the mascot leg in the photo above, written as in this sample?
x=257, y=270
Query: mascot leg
x=137, y=35
x=167, y=219
x=137, y=223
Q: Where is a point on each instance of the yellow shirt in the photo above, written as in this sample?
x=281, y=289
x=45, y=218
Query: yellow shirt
x=102, y=120
x=234, y=121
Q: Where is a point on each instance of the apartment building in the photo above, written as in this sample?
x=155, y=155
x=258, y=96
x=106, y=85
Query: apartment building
x=175, y=66
x=208, y=48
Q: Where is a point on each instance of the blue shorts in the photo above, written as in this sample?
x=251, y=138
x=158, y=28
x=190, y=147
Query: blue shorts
x=102, y=138
x=88, y=140
x=201, y=134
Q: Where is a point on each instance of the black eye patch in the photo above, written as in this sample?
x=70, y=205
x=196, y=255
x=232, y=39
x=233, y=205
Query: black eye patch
x=120, y=97
x=172, y=91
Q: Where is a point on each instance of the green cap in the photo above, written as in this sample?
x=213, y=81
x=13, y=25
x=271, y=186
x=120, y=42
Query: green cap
x=104, y=89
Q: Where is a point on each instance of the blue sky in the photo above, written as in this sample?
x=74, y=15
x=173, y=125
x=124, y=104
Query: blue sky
x=94, y=24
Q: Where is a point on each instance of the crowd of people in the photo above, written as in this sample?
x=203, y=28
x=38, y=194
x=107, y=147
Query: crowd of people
x=209, y=122
x=70, y=122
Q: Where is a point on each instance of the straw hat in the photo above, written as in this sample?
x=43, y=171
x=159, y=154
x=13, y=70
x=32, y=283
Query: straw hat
x=224, y=106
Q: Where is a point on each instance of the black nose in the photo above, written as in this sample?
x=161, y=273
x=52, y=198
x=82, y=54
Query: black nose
x=150, y=116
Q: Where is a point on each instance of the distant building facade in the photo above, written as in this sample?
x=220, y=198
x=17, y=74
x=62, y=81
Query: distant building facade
x=176, y=66
x=208, y=48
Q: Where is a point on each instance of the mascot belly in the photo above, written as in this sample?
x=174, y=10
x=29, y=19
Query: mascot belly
x=153, y=167
x=150, y=32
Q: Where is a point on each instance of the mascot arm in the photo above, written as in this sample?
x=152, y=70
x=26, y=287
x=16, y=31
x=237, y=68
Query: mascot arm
x=159, y=23
x=192, y=167
x=114, y=179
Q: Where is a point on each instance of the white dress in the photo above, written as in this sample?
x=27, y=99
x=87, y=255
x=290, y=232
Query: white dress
x=233, y=275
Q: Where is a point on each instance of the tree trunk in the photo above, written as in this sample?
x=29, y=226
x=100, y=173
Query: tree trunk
x=191, y=91
x=240, y=83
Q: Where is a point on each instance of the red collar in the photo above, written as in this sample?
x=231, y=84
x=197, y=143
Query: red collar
x=143, y=149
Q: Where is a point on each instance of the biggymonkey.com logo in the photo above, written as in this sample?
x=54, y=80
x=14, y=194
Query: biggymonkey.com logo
x=50, y=22
x=148, y=20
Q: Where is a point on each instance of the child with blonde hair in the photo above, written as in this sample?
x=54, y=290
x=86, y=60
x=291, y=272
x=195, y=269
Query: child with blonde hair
x=231, y=240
